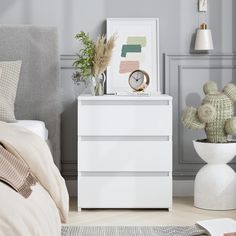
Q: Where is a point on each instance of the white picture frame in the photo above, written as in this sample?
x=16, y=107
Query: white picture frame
x=137, y=47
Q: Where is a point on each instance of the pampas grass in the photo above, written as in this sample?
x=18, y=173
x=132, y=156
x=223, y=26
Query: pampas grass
x=103, y=53
x=93, y=57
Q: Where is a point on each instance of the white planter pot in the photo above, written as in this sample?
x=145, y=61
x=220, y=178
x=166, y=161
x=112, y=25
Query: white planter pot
x=215, y=183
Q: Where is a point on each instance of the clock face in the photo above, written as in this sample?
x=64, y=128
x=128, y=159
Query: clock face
x=138, y=80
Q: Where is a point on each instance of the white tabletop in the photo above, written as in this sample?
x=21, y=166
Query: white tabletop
x=124, y=97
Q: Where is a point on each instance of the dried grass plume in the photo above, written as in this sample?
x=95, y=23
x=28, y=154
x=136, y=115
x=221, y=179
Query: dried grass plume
x=103, y=53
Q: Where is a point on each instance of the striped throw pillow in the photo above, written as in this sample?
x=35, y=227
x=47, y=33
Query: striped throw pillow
x=9, y=77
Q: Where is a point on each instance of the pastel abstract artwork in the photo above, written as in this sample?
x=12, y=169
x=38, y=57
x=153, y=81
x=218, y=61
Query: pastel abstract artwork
x=130, y=48
x=137, y=48
x=131, y=53
x=132, y=56
x=128, y=66
x=137, y=40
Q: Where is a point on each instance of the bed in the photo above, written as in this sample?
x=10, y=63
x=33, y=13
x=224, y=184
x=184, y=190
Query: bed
x=36, y=126
x=34, y=138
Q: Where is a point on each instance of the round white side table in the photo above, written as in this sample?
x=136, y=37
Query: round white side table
x=215, y=183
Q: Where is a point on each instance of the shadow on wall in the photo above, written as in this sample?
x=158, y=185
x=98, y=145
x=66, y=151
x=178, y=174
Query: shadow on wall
x=69, y=139
x=69, y=130
x=193, y=100
x=192, y=43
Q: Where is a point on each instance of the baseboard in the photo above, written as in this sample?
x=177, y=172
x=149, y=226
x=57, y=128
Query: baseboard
x=72, y=187
x=181, y=188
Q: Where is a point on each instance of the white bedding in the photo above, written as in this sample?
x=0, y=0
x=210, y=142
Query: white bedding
x=40, y=214
x=37, y=215
x=36, y=126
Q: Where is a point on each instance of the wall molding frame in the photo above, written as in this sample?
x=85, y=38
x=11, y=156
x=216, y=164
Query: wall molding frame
x=176, y=66
x=66, y=61
x=169, y=58
x=180, y=80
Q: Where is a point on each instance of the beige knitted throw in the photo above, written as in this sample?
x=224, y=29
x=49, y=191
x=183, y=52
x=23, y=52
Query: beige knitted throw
x=16, y=173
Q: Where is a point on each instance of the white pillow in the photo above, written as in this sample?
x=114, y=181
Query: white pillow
x=10, y=73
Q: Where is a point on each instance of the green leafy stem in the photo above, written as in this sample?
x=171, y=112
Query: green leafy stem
x=84, y=63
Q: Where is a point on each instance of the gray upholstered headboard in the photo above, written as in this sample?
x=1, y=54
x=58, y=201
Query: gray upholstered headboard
x=38, y=95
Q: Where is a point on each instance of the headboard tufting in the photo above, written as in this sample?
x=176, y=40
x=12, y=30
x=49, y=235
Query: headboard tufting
x=38, y=94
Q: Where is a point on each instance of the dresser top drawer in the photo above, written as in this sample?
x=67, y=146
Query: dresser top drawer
x=124, y=120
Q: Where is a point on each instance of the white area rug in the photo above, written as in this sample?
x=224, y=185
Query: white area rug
x=133, y=231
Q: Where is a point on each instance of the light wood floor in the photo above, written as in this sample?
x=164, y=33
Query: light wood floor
x=183, y=213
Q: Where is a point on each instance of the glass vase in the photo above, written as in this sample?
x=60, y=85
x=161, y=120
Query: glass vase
x=98, y=84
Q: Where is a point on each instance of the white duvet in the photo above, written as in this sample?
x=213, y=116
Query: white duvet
x=40, y=214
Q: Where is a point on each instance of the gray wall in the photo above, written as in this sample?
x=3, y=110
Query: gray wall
x=178, y=22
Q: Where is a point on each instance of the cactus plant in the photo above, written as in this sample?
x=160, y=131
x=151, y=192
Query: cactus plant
x=215, y=115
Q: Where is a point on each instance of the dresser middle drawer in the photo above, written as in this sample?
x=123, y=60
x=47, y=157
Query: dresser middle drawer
x=125, y=155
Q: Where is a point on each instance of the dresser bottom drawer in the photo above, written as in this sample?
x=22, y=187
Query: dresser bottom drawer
x=125, y=192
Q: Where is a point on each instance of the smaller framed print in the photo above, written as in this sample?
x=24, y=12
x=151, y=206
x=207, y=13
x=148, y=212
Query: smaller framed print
x=137, y=48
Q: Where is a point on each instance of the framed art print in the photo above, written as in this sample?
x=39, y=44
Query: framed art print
x=136, y=48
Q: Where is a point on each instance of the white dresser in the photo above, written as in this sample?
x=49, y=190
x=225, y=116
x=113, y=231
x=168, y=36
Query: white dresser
x=124, y=152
